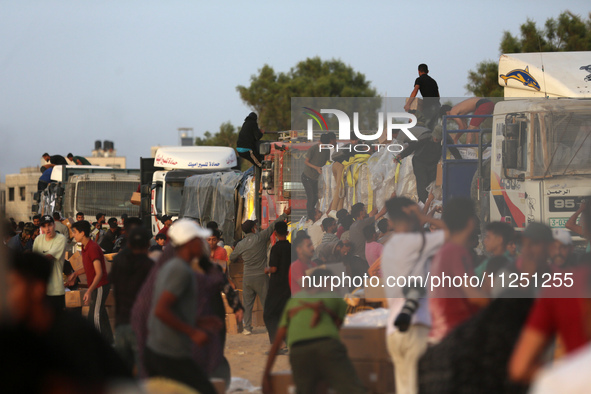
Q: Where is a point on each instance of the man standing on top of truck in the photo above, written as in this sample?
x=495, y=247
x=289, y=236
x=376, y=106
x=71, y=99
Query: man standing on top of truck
x=315, y=160
x=253, y=250
x=247, y=144
x=430, y=92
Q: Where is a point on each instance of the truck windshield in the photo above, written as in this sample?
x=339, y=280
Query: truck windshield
x=562, y=144
x=174, y=196
x=112, y=198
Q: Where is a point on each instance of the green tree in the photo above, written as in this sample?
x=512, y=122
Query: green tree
x=227, y=136
x=568, y=32
x=270, y=93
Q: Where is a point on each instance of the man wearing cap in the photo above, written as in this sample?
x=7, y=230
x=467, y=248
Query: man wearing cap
x=53, y=246
x=171, y=325
x=23, y=242
x=253, y=250
x=562, y=250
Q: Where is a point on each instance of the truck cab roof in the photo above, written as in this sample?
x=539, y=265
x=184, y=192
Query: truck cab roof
x=196, y=158
x=59, y=171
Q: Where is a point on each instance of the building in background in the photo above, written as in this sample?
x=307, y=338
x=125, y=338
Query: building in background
x=2, y=198
x=20, y=189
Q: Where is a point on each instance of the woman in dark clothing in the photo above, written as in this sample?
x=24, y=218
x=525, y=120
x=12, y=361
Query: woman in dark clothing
x=247, y=144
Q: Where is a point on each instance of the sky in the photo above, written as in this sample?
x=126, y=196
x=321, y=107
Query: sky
x=133, y=72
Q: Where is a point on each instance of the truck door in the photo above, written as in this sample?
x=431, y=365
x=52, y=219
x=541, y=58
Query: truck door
x=509, y=170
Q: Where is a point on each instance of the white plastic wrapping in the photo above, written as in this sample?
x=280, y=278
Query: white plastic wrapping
x=326, y=185
x=407, y=183
x=373, y=318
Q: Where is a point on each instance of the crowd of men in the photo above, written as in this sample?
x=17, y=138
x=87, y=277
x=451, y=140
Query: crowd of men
x=170, y=317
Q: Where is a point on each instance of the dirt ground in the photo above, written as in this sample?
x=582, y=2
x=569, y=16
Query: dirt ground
x=246, y=354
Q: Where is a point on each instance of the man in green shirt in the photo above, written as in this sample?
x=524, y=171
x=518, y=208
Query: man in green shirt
x=78, y=160
x=311, y=324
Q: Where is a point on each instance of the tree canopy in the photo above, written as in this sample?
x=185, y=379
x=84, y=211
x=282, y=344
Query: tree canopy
x=227, y=136
x=568, y=32
x=270, y=93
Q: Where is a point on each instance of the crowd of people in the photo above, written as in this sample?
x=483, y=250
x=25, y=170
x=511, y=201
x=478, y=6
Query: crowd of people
x=170, y=314
x=163, y=326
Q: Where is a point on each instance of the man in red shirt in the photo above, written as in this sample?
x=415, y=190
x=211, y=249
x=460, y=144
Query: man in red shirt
x=557, y=313
x=217, y=254
x=305, y=251
x=94, y=267
x=449, y=305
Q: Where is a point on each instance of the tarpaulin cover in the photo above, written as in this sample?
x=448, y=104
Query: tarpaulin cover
x=371, y=181
x=326, y=185
x=210, y=197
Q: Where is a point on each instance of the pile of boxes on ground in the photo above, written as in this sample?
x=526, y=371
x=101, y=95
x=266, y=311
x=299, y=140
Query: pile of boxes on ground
x=235, y=271
x=367, y=349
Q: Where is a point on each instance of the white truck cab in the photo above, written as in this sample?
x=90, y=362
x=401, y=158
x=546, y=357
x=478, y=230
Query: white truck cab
x=172, y=166
x=541, y=142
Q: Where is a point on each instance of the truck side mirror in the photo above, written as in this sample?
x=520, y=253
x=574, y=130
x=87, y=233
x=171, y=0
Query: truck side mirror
x=267, y=175
x=145, y=205
x=265, y=148
x=145, y=190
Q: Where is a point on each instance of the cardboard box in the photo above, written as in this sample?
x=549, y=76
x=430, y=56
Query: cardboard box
x=376, y=376
x=136, y=198
x=282, y=382
x=365, y=343
x=257, y=319
x=110, y=301
x=76, y=263
x=233, y=326
x=219, y=385
x=236, y=268
x=257, y=305
x=226, y=305
x=238, y=282
x=375, y=294
x=416, y=105
x=74, y=298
